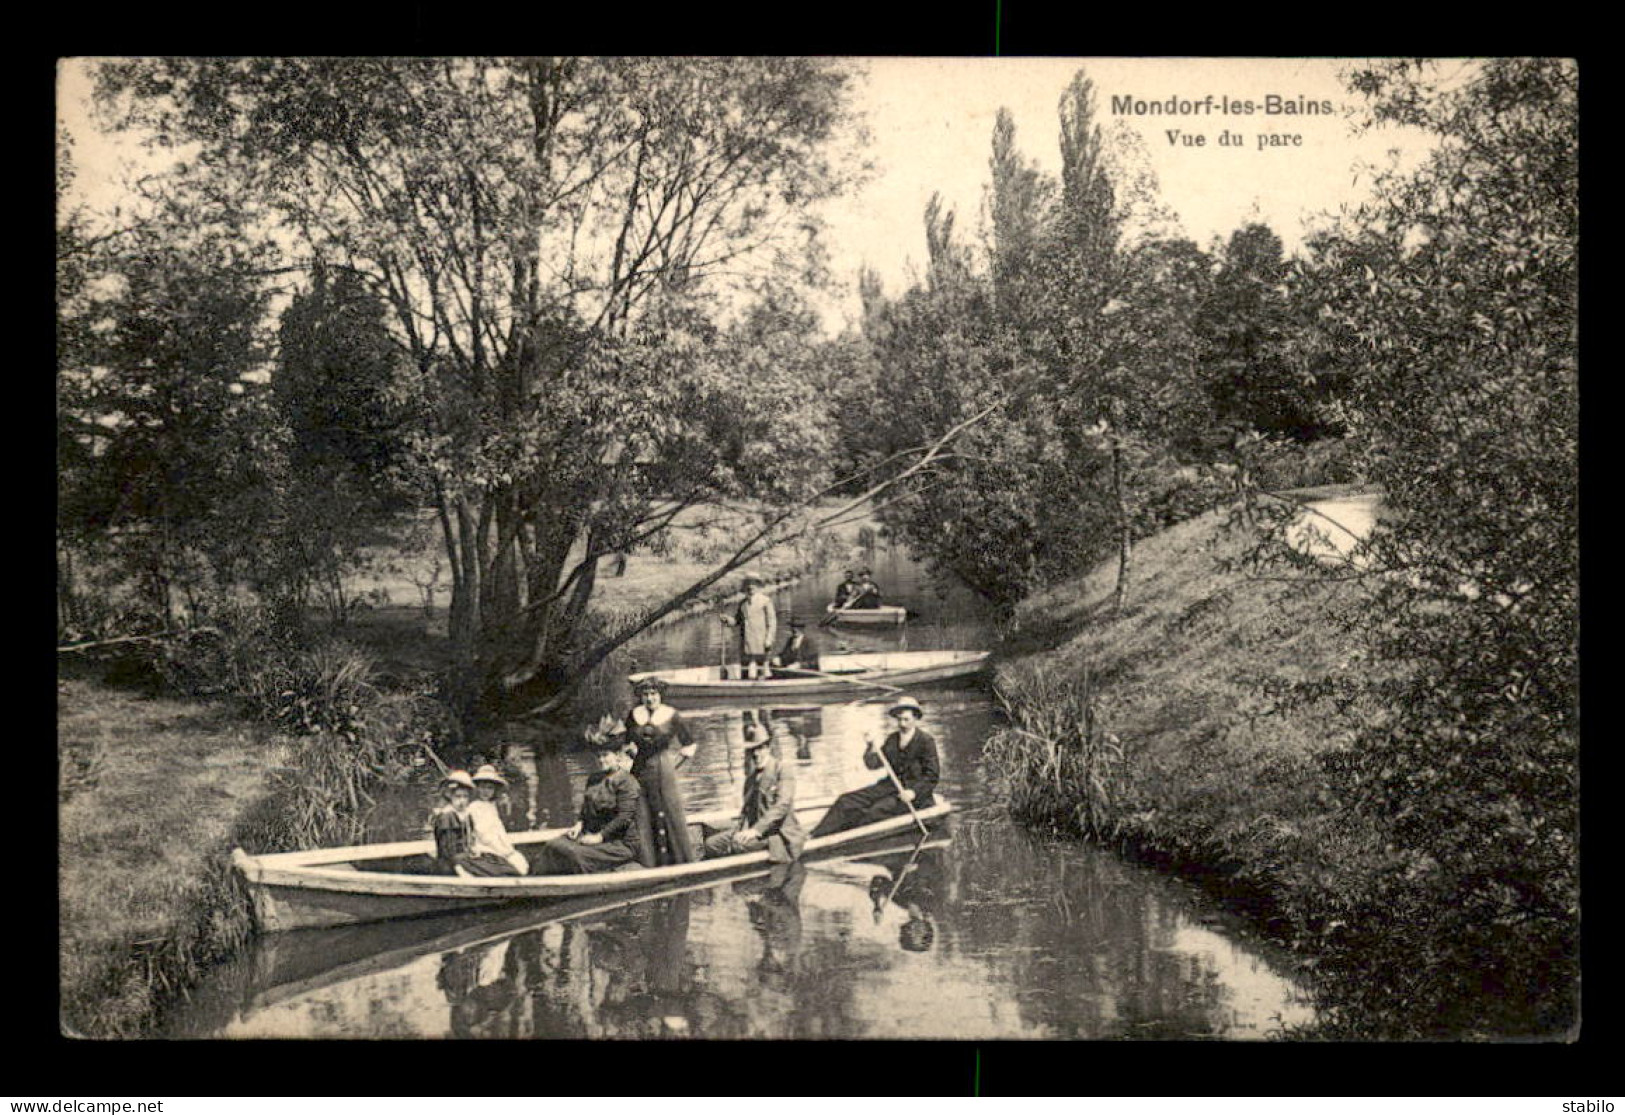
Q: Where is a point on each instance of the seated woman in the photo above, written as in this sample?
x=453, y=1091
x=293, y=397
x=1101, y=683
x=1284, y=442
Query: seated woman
x=606, y=835
x=491, y=852
x=453, y=828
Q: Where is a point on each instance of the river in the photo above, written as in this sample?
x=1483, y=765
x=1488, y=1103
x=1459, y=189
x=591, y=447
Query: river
x=986, y=931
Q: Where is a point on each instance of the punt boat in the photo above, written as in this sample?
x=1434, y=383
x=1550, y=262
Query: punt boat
x=285, y=966
x=375, y=882
x=885, y=614
x=837, y=673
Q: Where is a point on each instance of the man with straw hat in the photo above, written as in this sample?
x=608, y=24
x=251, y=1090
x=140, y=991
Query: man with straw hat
x=767, y=815
x=912, y=755
x=491, y=852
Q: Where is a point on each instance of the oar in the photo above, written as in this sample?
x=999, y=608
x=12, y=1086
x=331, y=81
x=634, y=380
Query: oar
x=907, y=867
x=852, y=680
x=831, y=617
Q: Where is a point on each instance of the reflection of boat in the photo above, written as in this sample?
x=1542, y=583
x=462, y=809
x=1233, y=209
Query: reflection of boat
x=373, y=882
x=885, y=614
x=291, y=965
x=840, y=673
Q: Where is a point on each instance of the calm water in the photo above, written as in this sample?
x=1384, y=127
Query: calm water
x=985, y=931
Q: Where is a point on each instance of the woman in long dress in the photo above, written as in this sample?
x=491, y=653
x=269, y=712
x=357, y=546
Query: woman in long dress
x=663, y=744
x=605, y=835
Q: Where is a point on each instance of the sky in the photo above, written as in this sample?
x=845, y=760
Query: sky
x=932, y=121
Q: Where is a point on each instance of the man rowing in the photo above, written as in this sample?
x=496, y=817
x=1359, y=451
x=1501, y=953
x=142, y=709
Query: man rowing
x=912, y=754
x=868, y=593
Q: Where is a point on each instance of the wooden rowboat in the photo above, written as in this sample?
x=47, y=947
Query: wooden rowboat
x=885, y=614
x=374, y=882
x=837, y=673
x=288, y=965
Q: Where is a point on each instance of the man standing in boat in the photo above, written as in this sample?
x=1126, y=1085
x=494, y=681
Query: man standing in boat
x=912, y=754
x=767, y=815
x=758, y=626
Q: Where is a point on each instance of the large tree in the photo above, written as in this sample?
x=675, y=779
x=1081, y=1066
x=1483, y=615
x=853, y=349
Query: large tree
x=554, y=239
x=1452, y=298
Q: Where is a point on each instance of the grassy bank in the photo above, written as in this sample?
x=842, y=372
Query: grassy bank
x=154, y=792
x=1186, y=729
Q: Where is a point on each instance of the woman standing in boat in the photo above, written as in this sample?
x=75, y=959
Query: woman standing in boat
x=663, y=745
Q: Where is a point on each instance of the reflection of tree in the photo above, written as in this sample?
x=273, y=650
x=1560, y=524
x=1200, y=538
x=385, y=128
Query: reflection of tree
x=1124, y=976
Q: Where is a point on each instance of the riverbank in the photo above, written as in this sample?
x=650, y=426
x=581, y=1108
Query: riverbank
x=1187, y=729
x=152, y=794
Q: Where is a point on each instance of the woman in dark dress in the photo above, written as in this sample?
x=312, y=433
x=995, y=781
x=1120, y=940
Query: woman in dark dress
x=663, y=744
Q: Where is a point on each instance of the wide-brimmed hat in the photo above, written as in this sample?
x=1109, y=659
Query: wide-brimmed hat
x=902, y=703
x=489, y=773
x=757, y=735
x=753, y=579
x=865, y=572
x=457, y=778
x=608, y=732
x=644, y=685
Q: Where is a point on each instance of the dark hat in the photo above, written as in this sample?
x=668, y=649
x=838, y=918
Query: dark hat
x=865, y=572
x=753, y=579
x=796, y=621
x=608, y=733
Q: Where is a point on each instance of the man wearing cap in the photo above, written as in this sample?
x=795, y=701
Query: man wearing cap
x=847, y=589
x=867, y=592
x=912, y=754
x=758, y=625
x=767, y=814
x=491, y=852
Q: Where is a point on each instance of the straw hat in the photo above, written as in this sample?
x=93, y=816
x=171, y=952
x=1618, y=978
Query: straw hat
x=488, y=773
x=457, y=778
x=905, y=703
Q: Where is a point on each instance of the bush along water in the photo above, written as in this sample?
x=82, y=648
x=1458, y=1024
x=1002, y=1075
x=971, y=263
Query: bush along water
x=351, y=737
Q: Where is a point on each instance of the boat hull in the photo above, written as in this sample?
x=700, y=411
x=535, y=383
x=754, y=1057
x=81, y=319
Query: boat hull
x=887, y=615
x=876, y=673
x=301, y=890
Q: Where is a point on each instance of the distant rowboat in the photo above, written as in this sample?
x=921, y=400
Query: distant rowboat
x=375, y=882
x=837, y=673
x=885, y=614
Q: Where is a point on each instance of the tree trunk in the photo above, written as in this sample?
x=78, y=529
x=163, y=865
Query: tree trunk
x=1125, y=534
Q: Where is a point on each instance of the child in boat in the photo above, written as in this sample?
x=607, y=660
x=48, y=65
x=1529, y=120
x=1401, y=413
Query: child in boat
x=491, y=853
x=453, y=828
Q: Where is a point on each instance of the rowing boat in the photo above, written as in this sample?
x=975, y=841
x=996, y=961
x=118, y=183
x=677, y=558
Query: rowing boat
x=885, y=614
x=374, y=882
x=288, y=965
x=837, y=673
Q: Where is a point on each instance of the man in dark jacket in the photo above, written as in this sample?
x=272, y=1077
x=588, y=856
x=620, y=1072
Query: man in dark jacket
x=797, y=653
x=768, y=812
x=912, y=754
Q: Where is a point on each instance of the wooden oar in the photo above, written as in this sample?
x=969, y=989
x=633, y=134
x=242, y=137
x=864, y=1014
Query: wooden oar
x=907, y=867
x=852, y=680
x=831, y=617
